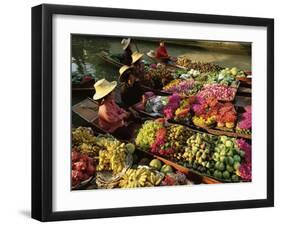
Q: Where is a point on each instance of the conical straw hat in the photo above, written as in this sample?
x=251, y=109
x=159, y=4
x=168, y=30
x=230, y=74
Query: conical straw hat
x=125, y=43
x=136, y=56
x=103, y=88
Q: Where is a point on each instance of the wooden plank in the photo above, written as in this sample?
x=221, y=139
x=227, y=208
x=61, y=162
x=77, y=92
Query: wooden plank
x=244, y=90
x=242, y=101
x=87, y=109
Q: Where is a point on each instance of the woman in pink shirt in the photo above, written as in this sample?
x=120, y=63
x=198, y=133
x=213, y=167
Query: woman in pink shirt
x=111, y=116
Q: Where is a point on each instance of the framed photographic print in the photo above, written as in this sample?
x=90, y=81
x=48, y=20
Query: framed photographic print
x=145, y=112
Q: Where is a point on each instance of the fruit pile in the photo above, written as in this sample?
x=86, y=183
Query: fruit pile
x=228, y=158
x=163, y=140
x=140, y=177
x=147, y=134
x=112, y=154
x=177, y=135
x=83, y=167
x=219, y=157
x=198, y=152
x=110, y=151
x=216, y=156
x=159, y=76
x=199, y=66
x=172, y=176
x=84, y=141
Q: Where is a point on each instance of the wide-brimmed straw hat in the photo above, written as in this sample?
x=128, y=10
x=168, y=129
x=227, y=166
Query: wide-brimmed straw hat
x=103, y=88
x=151, y=53
x=125, y=43
x=136, y=56
x=122, y=70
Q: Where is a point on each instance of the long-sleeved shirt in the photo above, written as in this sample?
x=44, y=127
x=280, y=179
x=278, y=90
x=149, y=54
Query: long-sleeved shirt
x=111, y=116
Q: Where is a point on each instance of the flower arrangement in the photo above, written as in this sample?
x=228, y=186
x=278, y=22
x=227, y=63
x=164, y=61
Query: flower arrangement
x=173, y=104
x=179, y=86
x=219, y=91
x=207, y=111
x=245, y=169
x=246, y=120
x=158, y=146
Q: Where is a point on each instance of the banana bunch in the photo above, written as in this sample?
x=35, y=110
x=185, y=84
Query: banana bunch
x=112, y=156
x=183, y=61
x=84, y=141
x=89, y=149
x=141, y=177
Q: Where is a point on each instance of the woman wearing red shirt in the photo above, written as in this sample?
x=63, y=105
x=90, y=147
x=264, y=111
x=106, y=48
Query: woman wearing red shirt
x=111, y=117
x=161, y=51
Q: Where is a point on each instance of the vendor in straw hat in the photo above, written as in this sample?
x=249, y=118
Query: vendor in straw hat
x=111, y=116
x=131, y=91
x=138, y=65
x=127, y=54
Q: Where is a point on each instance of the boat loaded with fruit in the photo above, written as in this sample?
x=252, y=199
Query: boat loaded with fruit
x=191, y=131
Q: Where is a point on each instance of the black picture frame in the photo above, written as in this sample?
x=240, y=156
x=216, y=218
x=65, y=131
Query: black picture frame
x=42, y=111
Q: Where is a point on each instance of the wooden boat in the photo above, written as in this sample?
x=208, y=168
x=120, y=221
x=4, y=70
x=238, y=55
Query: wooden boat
x=214, y=131
x=190, y=174
x=88, y=110
x=106, y=57
x=164, y=60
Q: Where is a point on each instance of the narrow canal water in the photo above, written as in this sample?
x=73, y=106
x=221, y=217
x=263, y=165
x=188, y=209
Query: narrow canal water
x=226, y=54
